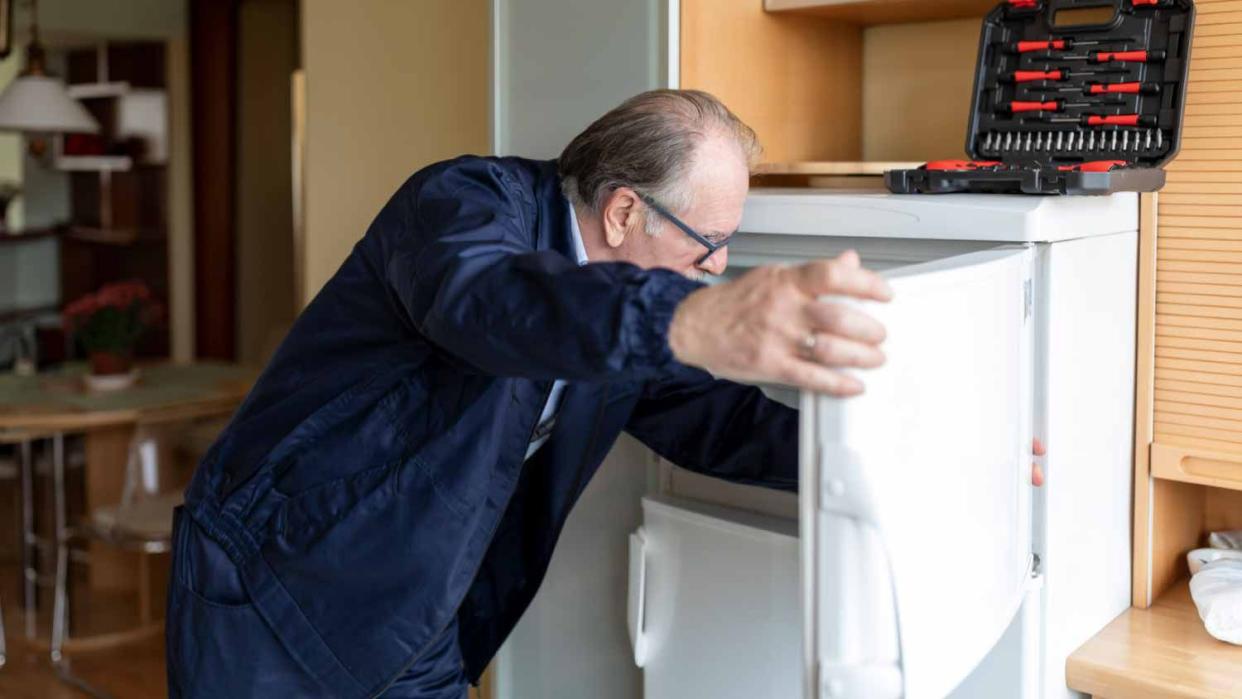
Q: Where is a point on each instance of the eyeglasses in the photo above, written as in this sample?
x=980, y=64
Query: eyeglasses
x=711, y=247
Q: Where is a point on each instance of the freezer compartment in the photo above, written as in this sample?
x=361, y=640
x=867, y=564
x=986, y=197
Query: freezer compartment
x=713, y=606
x=915, y=499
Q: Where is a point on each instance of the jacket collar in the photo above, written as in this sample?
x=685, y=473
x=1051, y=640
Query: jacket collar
x=554, y=211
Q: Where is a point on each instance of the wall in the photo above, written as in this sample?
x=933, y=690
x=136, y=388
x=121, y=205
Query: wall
x=391, y=87
x=12, y=147
x=266, y=58
x=918, y=115
x=540, y=115
x=131, y=19
x=572, y=640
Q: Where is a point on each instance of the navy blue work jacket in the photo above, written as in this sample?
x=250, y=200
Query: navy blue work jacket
x=372, y=484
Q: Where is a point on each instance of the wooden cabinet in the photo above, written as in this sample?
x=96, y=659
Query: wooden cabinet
x=836, y=87
x=1188, y=413
x=1190, y=408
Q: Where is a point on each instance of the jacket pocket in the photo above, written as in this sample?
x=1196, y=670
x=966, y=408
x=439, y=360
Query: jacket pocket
x=217, y=643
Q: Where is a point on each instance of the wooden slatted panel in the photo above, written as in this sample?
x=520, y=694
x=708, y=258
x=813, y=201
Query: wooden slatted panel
x=1198, y=331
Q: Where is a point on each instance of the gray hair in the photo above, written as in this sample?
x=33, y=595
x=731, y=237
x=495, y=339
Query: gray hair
x=648, y=143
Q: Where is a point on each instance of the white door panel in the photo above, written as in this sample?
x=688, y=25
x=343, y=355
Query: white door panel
x=919, y=490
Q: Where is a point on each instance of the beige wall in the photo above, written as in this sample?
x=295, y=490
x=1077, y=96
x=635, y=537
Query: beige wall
x=12, y=146
x=390, y=87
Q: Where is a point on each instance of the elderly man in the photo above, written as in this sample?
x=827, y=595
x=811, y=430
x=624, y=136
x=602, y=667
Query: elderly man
x=383, y=506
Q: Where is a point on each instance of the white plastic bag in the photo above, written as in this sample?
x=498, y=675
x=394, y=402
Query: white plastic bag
x=1226, y=540
x=1217, y=592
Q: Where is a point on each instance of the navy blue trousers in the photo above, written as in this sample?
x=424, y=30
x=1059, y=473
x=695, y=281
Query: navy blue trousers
x=219, y=646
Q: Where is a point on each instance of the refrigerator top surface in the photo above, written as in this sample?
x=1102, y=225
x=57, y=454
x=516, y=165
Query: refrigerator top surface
x=982, y=217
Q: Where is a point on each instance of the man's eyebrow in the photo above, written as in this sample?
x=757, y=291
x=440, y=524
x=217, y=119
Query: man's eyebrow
x=721, y=235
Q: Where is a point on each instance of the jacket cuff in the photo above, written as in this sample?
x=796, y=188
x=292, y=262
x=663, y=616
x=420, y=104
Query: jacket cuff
x=658, y=300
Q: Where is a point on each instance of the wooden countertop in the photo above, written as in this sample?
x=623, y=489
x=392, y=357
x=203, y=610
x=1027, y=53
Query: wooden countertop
x=1162, y=652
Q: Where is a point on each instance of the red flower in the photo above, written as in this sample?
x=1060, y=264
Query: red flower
x=83, y=307
x=113, y=318
x=123, y=294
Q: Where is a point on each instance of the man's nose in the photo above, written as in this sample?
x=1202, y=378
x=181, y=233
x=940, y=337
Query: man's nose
x=717, y=263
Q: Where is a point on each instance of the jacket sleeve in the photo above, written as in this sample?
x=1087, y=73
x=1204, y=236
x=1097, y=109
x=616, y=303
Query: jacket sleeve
x=719, y=428
x=464, y=266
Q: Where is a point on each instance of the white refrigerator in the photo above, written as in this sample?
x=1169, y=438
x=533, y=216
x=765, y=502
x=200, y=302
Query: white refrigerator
x=920, y=561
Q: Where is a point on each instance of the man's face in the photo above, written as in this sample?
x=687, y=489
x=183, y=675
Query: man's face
x=719, y=180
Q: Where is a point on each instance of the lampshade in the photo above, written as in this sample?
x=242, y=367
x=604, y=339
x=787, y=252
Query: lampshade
x=41, y=103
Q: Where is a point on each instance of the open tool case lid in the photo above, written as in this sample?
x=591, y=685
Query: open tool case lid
x=1071, y=97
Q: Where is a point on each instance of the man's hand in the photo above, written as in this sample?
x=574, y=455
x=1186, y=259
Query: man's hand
x=770, y=326
x=1037, y=471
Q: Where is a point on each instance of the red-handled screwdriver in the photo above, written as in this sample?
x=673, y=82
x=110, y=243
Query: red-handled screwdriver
x=1094, y=166
x=1116, y=57
x=1102, y=165
x=960, y=165
x=1048, y=106
x=1026, y=76
x=1029, y=76
x=1151, y=3
x=1048, y=45
x=1112, y=89
x=1124, y=89
x=1110, y=120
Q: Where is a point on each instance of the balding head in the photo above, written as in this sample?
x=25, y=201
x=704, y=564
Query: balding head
x=652, y=142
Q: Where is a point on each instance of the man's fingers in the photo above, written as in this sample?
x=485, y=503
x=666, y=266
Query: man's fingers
x=1037, y=447
x=842, y=320
x=814, y=377
x=834, y=351
x=850, y=258
x=836, y=278
x=1037, y=475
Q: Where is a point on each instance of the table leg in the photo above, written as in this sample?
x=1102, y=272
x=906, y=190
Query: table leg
x=30, y=573
x=60, y=601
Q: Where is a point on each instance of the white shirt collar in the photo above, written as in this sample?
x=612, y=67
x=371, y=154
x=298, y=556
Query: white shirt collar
x=579, y=248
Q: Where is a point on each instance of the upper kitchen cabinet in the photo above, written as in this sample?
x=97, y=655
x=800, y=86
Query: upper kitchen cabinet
x=835, y=87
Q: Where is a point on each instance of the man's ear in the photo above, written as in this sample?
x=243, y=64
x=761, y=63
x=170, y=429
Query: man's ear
x=622, y=214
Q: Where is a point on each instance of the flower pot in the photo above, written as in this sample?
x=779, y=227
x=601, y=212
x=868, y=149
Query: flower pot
x=110, y=363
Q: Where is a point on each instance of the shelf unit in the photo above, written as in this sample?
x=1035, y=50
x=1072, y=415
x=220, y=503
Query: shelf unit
x=1188, y=408
x=94, y=163
x=872, y=12
x=118, y=198
x=837, y=88
x=1161, y=652
x=85, y=91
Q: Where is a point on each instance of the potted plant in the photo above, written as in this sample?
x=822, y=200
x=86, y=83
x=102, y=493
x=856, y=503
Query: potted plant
x=108, y=324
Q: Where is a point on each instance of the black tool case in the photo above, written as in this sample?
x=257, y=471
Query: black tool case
x=1070, y=116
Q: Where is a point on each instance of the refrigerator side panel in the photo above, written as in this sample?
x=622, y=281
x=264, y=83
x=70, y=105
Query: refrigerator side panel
x=1088, y=418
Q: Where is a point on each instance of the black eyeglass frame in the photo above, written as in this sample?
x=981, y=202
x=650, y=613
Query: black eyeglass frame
x=685, y=228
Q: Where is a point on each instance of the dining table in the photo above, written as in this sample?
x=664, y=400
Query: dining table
x=58, y=404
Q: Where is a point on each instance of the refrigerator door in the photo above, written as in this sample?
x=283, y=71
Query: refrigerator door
x=915, y=505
